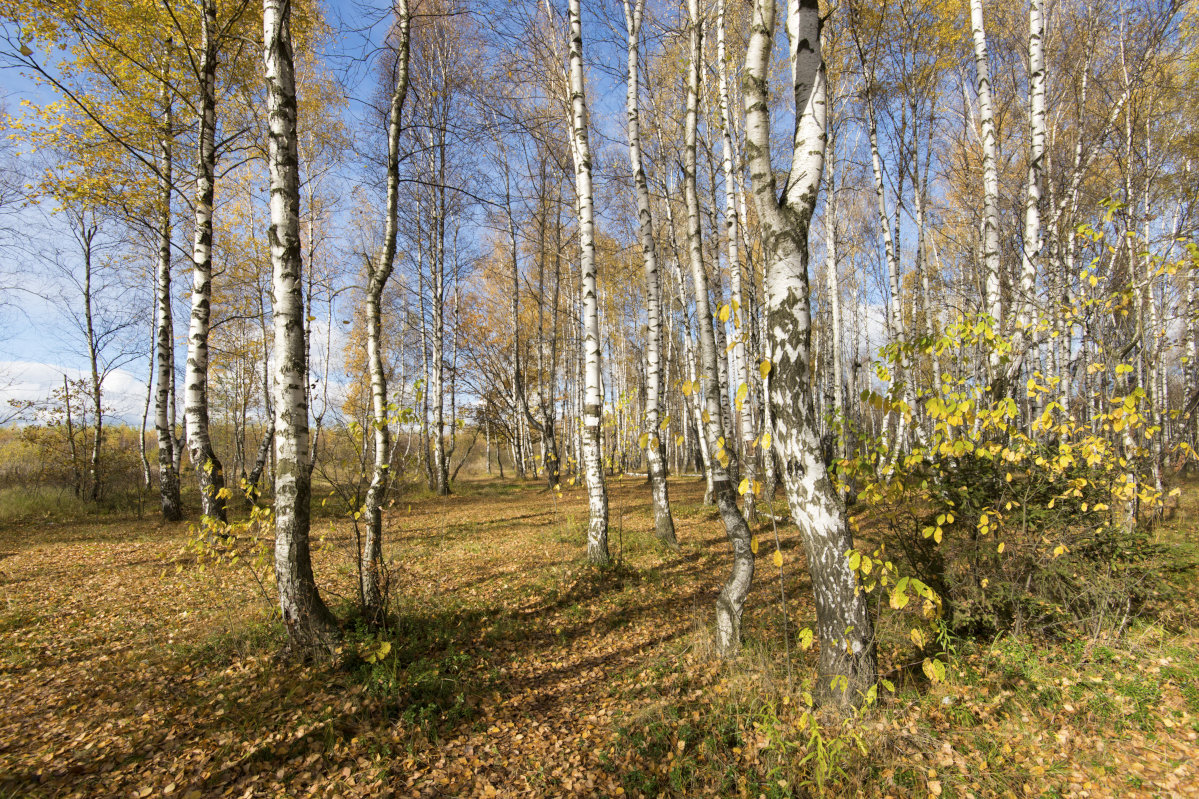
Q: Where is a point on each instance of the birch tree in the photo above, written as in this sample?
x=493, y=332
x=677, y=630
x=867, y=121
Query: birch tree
x=731, y=601
x=164, y=416
x=593, y=400
x=847, y=666
x=663, y=521
x=195, y=403
x=309, y=623
x=739, y=313
x=992, y=300
x=370, y=566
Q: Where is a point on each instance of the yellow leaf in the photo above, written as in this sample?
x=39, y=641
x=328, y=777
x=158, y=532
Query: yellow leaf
x=917, y=638
x=999, y=548
x=778, y=559
x=643, y=441
x=724, y=313
x=741, y=489
x=764, y=368
x=753, y=544
x=767, y=439
x=805, y=638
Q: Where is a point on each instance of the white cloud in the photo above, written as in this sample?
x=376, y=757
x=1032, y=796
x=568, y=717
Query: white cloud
x=124, y=392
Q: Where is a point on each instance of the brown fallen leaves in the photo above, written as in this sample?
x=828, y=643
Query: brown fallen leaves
x=538, y=676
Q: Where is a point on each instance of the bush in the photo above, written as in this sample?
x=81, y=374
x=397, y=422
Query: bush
x=1019, y=518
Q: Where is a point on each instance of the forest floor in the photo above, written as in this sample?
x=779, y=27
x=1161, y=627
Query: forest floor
x=127, y=668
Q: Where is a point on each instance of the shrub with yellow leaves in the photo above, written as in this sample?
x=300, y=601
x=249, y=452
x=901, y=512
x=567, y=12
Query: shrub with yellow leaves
x=1009, y=515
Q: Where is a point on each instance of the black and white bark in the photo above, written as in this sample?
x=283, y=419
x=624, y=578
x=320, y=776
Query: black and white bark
x=832, y=285
x=663, y=521
x=1030, y=255
x=731, y=601
x=593, y=401
x=992, y=298
x=848, y=663
x=195, y=403
x=739, y=362
x=372, y=581
x=309, y=623
x=168, y=475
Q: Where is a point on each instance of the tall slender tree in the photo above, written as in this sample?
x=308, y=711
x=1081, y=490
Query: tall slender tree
x=309, y=623
x=593, y=398
x=731, y=601
x=663, y=521
x=370, y=568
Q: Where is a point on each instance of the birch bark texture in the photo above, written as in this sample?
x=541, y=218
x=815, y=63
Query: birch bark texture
x=168, y=476
x=310, y=625
x=663, y=521
x=371, y=573
x=593, y=401
x=848, y=664
x=992, y=299
x=195, y=399
x=1036, y=162
x=743, y=401
x=731, y=601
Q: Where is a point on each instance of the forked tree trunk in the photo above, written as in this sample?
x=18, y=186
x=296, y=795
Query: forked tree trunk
x=309, y=623
x=663, y=521
x=593, y=402
x=731, y=601
x=371, y=577
x=848, y=664
x=208, y=468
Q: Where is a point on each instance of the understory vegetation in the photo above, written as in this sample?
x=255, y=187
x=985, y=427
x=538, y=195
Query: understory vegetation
x=510, y=667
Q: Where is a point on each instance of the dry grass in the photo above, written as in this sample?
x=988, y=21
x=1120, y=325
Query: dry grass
x=518, y=670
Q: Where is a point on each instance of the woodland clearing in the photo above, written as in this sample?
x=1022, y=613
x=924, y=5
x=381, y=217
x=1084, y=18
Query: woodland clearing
x=512, y=668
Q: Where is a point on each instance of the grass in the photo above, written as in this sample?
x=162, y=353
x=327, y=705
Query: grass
x=510, y=665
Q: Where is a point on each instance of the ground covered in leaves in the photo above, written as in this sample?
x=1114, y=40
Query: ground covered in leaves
x=129, y=668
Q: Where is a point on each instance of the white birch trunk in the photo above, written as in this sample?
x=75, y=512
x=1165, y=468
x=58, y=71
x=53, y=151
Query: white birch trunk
x=195, y=399
x=593, y=402
x=992, y=300
x=168, y=475
x=309, y=623
x=1036, y=162
x=731, y=601
x=743, y=401
x=371, y=574
x=847, y=657
x=663, y=521
x=832, y=287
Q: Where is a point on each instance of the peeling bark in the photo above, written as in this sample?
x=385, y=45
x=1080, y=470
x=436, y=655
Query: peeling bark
x=310, y=625
x=848, y=663
x=209, y=473
x=663, y=521
x=593, y=402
